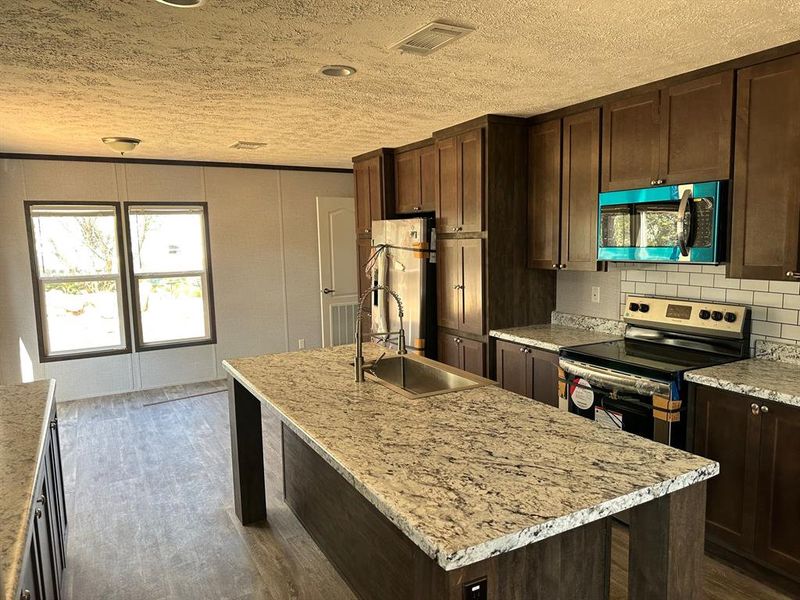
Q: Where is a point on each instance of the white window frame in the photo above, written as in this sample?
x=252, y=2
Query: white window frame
x=205, y=275
x=64, y=208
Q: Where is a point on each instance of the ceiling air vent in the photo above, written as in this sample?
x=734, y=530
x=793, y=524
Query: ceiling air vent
x=241, y=145
x=431, y=38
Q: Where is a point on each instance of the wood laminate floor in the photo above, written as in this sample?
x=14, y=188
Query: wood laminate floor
x=149, y=500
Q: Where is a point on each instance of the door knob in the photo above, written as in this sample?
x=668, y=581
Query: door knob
x=764, y=409
x=754, y=408
x=328, y=291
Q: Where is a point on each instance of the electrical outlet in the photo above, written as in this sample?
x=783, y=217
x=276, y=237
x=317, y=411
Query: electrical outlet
x=596, y=294
x=301, y=343
x=477, y=590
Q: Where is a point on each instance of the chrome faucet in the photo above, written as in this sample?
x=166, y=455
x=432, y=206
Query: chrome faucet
x=401, y=334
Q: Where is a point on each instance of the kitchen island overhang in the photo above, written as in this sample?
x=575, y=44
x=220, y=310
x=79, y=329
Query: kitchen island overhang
x=471, y=479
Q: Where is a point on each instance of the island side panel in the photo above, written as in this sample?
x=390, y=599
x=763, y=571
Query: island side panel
x=666, y=555
x=247, y=453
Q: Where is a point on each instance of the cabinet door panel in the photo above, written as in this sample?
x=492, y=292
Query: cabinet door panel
x=375, y=189
x=544, y=386
x=766, y=183
x=471, y=181
x=728, y=432
x=363, y=202
x=448, y=274
x=427, y=171
x=29, y=576
x=512, y=368
x=696, y=129
x=544, y=195
x=472, y=286
x=631, y=142
x=447, y=186
x=407, y=181
x=579, y=198
x=473, y=357
x=42, y=524
x=449, y=350
x=778, y=517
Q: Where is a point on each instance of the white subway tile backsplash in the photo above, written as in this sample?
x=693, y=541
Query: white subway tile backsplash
x=690, y=268
x=713, y=294
x=627, y=286
x=768, y=299
x=666, y=289
x=689, y=292
x=785, y=287
x=704, y=279
x=739, y=297
x=766, y=328
x=791, y=301
x=645, y=288
x=790, y=332
x=755, y=285
x=678, y=278
x=667, y=267
x=656, y=277
x=716, y=269
x=758, y=312
x=635, y=275
x=782, y=315
x=721, y=281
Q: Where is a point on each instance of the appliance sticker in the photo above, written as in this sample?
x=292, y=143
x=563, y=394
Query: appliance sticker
x=582, y=394
x=607, y=418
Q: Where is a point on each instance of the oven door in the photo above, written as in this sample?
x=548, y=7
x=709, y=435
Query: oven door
x=667, y=224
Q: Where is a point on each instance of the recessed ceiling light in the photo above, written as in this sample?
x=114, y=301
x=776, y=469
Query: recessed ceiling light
x=121, y=144
x=183, y=3
x=242, y=145
x=337, y=70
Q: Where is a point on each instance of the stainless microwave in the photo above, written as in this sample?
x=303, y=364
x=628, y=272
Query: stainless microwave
x=671, y=223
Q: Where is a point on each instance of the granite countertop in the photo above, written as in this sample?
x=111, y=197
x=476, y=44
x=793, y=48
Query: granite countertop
x=24, y=423
x=465, y=475
x=552, y=337
x=759, y=377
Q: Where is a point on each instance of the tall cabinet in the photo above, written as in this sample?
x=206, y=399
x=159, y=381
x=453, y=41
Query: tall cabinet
x=481, y=203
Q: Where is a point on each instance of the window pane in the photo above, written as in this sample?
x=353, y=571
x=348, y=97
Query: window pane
x=82, y=315
x=75, y=244
x=163, y=242
x=172, y=309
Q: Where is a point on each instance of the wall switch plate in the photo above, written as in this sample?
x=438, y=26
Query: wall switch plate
x=477, y=590
x=596, y=294
x=301, y=343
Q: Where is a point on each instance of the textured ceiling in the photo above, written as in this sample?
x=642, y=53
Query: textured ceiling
x=191, y=82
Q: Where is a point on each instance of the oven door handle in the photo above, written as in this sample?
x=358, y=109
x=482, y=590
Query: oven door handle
x=614, y=380
x=684, y=223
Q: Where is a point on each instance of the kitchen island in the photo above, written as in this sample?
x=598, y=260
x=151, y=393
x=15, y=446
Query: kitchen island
x=429, y=498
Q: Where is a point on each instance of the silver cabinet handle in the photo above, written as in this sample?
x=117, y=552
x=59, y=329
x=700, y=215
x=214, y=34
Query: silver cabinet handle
x=652, y=182
x=328, y=291
x=764, y=409
x=25, y=595
x=522, y=349
x=793, y=274
x=458, y=287
x=456, y=228
x=684, y=222
x=555, y=266
x=417, y=208
x=754, y=408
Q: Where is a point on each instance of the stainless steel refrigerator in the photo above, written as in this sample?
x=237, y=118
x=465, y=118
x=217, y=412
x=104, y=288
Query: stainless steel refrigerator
x=404, y=260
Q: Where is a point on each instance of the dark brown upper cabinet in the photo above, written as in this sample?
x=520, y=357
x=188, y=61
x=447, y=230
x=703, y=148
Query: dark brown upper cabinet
x=580, y=180
x=459, y=183
x=374, y=188
x=544, y=195
x=680, y=134
x=415, y=180
x=460, y=284
x=766, y=180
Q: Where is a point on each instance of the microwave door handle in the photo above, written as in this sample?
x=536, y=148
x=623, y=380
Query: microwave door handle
x=684, y=225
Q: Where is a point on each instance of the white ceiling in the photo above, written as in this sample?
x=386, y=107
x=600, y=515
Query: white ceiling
x=192, y=82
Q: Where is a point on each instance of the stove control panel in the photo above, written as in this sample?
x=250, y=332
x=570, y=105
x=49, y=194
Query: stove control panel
x=692, y=316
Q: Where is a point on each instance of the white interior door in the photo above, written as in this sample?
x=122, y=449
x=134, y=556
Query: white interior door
x=338, y=273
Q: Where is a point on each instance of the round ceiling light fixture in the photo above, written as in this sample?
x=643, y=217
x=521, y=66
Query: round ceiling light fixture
x=121, y=144
x=337, y=70
x=183, y=3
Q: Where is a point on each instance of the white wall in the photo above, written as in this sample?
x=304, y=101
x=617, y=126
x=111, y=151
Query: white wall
x=264, y=258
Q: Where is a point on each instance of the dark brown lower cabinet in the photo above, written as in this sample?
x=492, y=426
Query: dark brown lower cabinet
x=462, y=353
x=528, y=371
x=754, y=503
x=43, y=567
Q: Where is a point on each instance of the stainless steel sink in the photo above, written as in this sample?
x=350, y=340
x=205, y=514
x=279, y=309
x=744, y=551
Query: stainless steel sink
x=416, y=377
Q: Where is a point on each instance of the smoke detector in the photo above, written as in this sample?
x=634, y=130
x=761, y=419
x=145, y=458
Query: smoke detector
x=431, y=38
x=121, y=144
x=338, y=70
x=182, y=3
x=242, y=145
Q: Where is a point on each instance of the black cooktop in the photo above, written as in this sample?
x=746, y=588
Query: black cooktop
x=645, y=358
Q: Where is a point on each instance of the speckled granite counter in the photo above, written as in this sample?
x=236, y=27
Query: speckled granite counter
x=465, y=475
x=24, y=425
x=760, y=377
x=552, y=337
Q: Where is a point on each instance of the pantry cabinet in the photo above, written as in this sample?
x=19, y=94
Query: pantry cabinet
x=544, y=195
x=765, y=228
x=460, y=284
x=753, y=503
x=678, y=134
x=462, y=353
x=415, y=180
x=459, y=173
x=374, y=188
x=527, y=371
